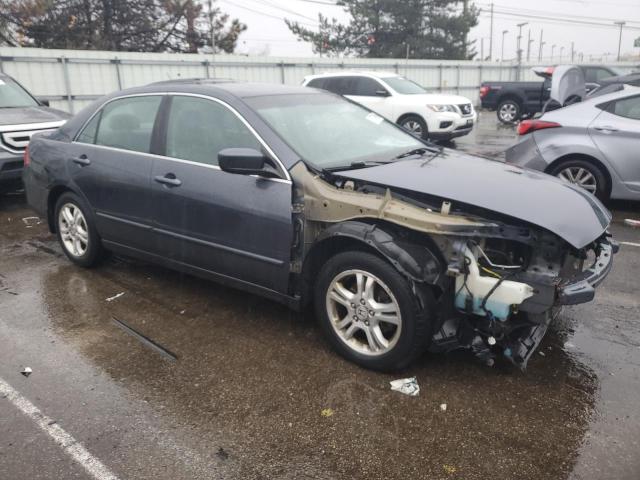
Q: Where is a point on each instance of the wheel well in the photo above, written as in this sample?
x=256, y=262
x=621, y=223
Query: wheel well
x=510, y=96
x=586, y=158
x=54, y=195
x=322, y=252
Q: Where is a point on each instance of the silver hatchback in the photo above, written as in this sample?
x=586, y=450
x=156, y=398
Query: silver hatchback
x=594, y=144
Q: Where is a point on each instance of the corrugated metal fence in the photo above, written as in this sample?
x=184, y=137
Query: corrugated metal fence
x=70, y=79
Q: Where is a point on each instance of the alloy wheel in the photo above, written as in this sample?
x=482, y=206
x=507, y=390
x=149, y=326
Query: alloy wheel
x=73, y=230
x=414, y=127
x=581, y=177
x=363, y=312
x=508, y=112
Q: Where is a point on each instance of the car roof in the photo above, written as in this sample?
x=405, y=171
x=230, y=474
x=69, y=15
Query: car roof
x=218, y=88
x=349, y=73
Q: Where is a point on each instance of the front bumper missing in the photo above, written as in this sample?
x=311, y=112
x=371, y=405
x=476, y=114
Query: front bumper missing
x=581, y=289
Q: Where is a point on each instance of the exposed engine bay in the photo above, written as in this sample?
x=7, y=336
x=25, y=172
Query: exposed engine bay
x=498, y=281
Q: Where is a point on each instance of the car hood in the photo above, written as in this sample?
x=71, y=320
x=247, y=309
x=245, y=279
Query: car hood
x=536, y=198
x=437, y=99
x=27, y=115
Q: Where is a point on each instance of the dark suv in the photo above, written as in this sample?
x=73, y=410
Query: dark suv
x=21, y=115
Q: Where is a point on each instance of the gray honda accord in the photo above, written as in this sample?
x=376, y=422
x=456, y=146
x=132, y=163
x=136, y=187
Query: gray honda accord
x=311, y=200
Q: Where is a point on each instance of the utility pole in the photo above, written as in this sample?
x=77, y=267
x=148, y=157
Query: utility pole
x=529, y=42
x=491, y=35
x=553, y=47
x=504, y=32
x=621, y=24
x=482, y=49
x=407, y=50
x=541, y=45
x=561, y=50
x=573, y=52
x=519, y=50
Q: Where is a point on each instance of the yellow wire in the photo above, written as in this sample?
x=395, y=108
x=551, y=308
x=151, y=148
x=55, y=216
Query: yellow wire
x=490, y=272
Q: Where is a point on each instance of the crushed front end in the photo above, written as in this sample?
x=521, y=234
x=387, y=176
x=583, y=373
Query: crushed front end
x=504, y=293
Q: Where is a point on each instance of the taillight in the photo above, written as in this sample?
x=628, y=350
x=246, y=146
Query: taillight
x=528, y=126
x=549, y=70
x=25, y=157
x=483, y=91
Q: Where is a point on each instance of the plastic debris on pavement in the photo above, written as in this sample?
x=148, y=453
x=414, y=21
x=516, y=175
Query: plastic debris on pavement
x=26, y=371
x=31, y=221
x=408, y=386
x=327, y=412
x=111, y=299
x=443, y=407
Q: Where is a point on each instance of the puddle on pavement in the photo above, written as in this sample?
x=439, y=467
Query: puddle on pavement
x=260, y=376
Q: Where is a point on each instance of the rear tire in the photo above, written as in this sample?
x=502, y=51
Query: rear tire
x=76, y=231
x=583, y=174
x=509, y=111
x=415, y=125
x=369, y=314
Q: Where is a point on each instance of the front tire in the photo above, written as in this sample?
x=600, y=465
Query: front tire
x=76, y=232
x=509, y=111
x=583, y=174
x=415, y=125
x=368, y=312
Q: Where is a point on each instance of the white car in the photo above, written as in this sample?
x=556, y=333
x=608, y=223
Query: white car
x=426, y=115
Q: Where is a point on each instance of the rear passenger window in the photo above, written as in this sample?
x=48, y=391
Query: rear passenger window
x=88, y=134
x=367, y=87
x=342, y=85
x=198, y=129
x=126, y=123
x=627, y=107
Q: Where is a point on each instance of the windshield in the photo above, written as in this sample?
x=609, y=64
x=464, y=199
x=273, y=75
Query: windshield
x=404, y=86
x=328, y=131
x=13, y=95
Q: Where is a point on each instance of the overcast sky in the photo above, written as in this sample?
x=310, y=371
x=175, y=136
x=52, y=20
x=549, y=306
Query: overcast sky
x=265, y=19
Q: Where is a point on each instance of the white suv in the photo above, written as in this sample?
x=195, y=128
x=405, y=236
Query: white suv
x=427, y=115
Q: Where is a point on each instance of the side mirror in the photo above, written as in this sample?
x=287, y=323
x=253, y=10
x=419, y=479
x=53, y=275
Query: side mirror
x=382, y=93
x=43, y=101
x=244, y=161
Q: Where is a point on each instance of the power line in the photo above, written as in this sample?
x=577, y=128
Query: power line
x=553, y=20
x=235, y=4
x=283, y=9
x=526, y=11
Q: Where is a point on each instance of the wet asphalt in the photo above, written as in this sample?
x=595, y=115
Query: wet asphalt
x=256, y=393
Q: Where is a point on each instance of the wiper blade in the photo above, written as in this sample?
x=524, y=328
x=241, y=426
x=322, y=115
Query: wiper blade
x=355, y=166
x=418, y=151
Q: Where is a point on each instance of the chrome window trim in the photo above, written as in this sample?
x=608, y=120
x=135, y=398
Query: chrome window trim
x=281, y=166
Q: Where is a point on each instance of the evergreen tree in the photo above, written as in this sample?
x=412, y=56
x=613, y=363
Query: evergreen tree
x=121, y=25
x=384, y=29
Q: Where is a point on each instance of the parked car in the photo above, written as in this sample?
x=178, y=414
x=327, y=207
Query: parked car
x=513, y=101
x=21, y=115
x=424, y=114
x=593, y=144
x=306, y=198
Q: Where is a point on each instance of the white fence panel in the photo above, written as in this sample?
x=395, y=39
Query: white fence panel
x=71, y=79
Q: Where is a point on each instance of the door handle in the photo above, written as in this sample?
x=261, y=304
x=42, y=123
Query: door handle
x=82, y=160
x=169, y=179
x=605, y=128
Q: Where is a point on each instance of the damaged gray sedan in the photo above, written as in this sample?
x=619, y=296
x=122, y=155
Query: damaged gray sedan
x=308, y=199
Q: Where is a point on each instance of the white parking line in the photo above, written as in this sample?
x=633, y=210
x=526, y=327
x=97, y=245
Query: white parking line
x=69, y=445
x=630, y=244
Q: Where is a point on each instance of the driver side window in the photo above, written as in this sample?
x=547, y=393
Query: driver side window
x=198, y=129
